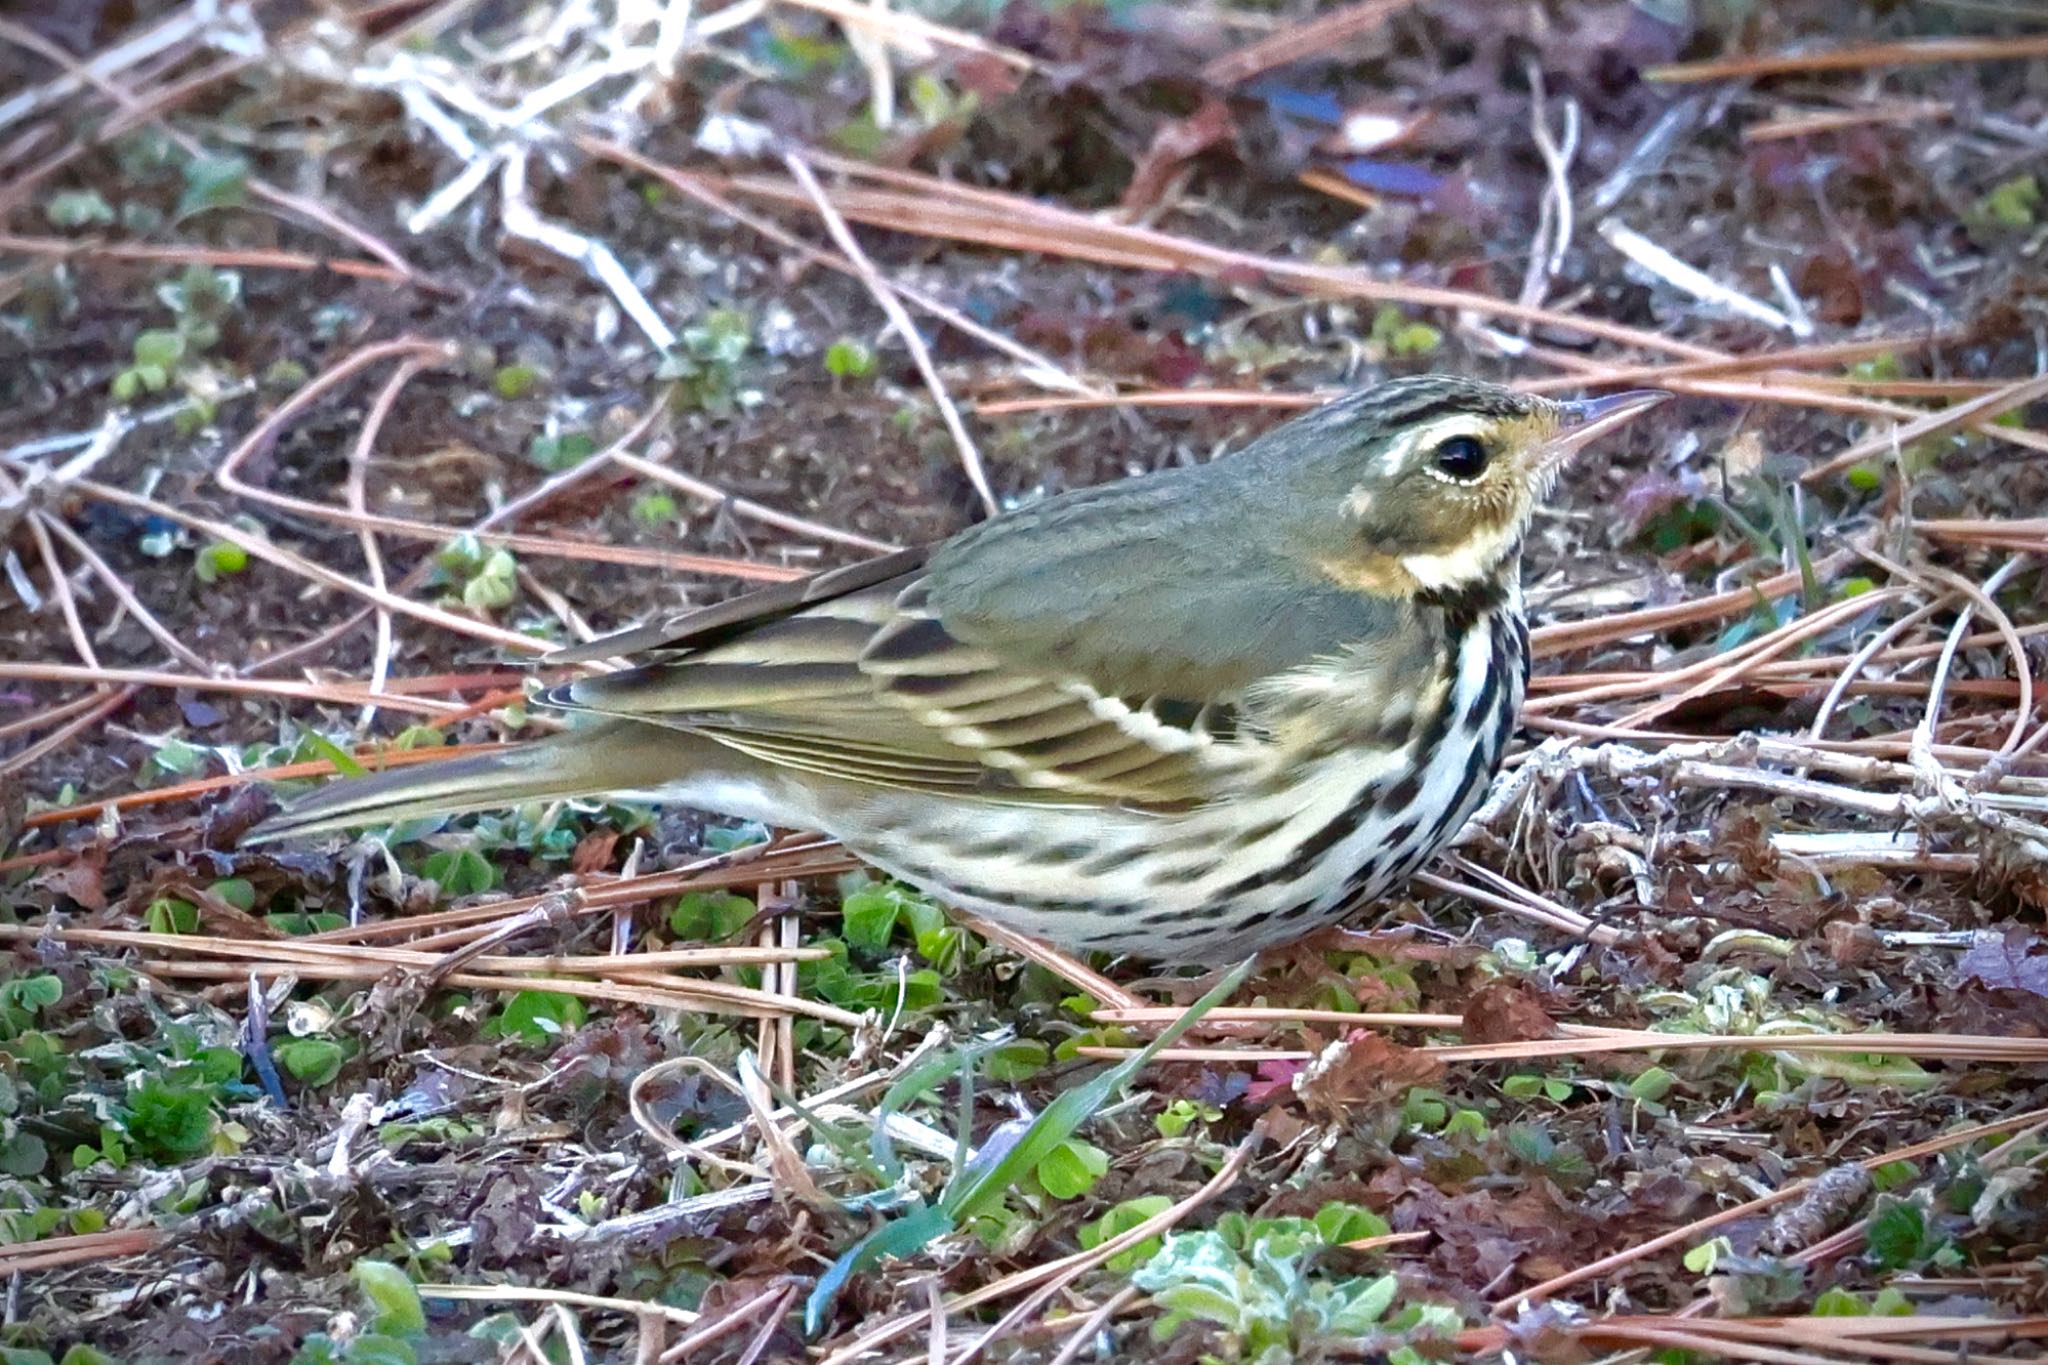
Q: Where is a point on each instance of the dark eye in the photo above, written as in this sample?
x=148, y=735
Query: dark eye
x=1461, y=457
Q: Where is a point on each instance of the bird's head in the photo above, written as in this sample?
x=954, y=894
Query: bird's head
x=1434, y=479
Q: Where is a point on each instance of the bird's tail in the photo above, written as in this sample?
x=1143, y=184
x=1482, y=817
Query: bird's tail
x=603, y=759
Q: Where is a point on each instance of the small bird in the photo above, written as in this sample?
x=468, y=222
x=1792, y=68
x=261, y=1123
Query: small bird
x=1186, y=715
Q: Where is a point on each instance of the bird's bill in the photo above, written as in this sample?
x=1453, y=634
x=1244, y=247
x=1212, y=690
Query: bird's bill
x=1588, y=419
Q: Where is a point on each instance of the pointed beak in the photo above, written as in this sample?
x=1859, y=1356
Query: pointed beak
x=1588, y=419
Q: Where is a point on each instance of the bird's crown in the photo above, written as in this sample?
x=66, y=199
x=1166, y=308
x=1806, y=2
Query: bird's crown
x=1428, y=484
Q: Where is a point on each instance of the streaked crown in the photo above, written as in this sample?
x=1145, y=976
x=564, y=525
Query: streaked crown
x=1433, y=480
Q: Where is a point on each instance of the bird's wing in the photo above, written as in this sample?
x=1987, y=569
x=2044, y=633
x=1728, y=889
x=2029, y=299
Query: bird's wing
x=1051, y=655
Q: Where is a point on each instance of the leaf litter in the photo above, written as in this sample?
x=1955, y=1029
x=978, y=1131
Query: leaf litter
x=354, y=356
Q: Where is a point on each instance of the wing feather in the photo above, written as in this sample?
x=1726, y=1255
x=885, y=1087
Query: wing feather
x=1020, y=662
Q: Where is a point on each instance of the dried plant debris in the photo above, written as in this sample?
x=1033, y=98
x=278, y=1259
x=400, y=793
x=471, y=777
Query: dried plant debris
x=356, y=355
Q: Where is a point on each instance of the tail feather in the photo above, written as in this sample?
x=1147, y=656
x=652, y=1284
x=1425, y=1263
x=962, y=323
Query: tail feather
x=593, y=760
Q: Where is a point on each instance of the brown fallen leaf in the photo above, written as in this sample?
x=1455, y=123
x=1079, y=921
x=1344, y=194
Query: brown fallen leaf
x=1364, y=1068
x=1506, y=1012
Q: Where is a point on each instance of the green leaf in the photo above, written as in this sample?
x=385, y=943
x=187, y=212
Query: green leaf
x=34, y=993
x=541, y=1017
x=159, y=348
x=1702, y=1259
x=77, y=209
x=1466, y=1123
x=1522, y=1086
x=515, y=381
x=710, y=916
x=23, y=1155
x=1177, y=1117
x=562, y=451
x=460, y=872
x=236, y=891
x=312, y=1061
x=982, y=1186
x=1341, y=1224
x=868, y=916
x=1014, y=1061
x=849, y=359
x=910, y=1233
x=297, y=925
x=653, y=510
x=213, y=182
x=1897, y=1234
x=1652, y=1084
x=1071, y=1169
x=394, y=1302
x=1120, y=1219
x=2012, y=203
x=496, y=584
x=1839, y=1303
x=168, y=915
x=218, y=560
x=168, y=1123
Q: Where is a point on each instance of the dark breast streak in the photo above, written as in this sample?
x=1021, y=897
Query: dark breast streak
x=1481, y=725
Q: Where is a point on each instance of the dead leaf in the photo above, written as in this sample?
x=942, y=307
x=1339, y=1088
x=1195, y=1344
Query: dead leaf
x=1506, y=1012
x=1173, y=146
x=1365, y=1068
x=2008, y=963
x=83, y=879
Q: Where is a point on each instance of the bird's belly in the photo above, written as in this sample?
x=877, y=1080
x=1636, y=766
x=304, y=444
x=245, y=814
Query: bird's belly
x=1232, y=876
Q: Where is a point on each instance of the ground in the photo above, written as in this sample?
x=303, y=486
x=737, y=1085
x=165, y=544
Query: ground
x=355, y=354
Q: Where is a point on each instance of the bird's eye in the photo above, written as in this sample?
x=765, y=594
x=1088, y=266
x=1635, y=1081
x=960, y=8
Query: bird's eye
x=1461, y=457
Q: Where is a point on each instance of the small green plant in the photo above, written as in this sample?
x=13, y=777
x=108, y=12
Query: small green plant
x=1017, y=1060
x=168, y=1122
x=483, y=578
x=710, y=916
x=515, y=381
x=1121, y=1219
x=539, y=1017
x=849, y=359
x=23, y=999
x=1902, y=1237
x=706, y=360
x=870, y=912
x=1397, y=335
x=556, y=451
x=460, y=872
x=2011, y=204
x=169, y=915
x=213, y=182
x=1260, y=1283
x=218, y=560
x=71, y=209
x=1177, y=1117
x=199, y=300
x=977, y=1191
x=654, y=511
x=396, y=1322
x=312, y=1062
x=1071, y=1169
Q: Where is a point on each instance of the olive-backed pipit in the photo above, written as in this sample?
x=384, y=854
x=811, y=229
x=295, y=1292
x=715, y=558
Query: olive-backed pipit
x=1186, y=715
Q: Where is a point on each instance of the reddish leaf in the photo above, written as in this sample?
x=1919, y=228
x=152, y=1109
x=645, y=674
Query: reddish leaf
x=82, y=879
x=1504, y=1012
x=1365, y=1068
